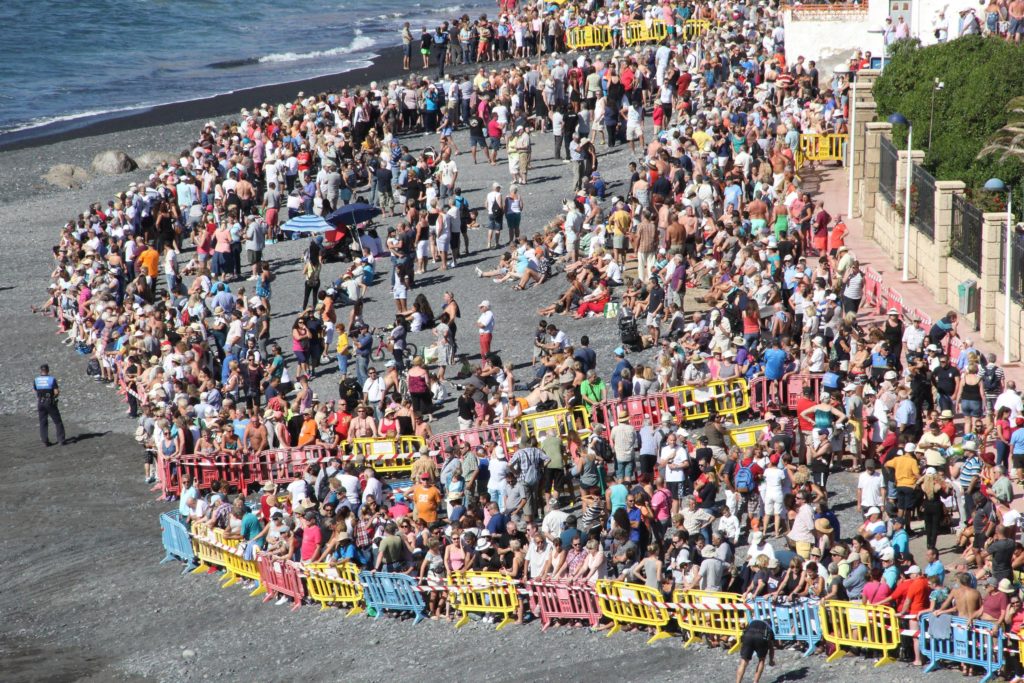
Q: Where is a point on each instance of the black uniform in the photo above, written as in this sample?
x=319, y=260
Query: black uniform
x=46, y=406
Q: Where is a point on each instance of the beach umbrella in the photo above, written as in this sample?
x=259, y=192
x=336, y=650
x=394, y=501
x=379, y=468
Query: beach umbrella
x=353, y=214
x=307, y=223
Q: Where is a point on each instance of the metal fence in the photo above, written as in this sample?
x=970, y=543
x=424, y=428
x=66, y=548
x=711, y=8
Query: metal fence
x=887, y=170
x=965, y=234
x=1017, y=258
x=922, y=202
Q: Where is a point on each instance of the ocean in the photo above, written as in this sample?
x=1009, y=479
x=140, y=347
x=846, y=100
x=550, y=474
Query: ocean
x=64, y=63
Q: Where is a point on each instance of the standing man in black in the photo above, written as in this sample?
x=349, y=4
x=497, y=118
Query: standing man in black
x=47, y=393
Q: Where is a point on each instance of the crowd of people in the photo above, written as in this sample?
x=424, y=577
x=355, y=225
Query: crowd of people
x=713, y=201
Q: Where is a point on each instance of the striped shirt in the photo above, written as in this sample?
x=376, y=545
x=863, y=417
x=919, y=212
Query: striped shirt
x=970, y=469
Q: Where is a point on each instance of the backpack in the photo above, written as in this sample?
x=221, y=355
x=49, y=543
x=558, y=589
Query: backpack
x=93, y=368
x=744, y=480
x=990, y=380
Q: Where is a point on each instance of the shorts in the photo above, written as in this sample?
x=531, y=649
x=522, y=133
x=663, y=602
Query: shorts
x=773, y=505
x=1018, y=461
x=906, y=497
x=1016, y=27
x=803, y=549
x=477, y=141
x=753, y=643
x=300, y=356
x=253, y=256
x=676, y=488
x=652, y=320
x=407, y=50
x=423, y=249
x=618, y=241
x=424, y=51
x=971, y=408
x=632, y=132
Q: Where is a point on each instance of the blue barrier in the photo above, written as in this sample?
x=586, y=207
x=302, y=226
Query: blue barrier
x=796, y=622
x=977, y=643
x=386, y=590
x=176, y=539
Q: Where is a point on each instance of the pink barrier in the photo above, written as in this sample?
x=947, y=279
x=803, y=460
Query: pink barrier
x=894, y=299
x=281, y=578
x=795, y=385
x=563, y=599
x=638, y=408
x=445, y=442
x=872, y=288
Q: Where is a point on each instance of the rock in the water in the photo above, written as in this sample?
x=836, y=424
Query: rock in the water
x=113, y=161
x=66, y=176
x=149, y=160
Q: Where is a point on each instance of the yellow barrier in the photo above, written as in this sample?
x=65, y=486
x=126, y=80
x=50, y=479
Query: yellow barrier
x=692, y=408
x=746, y=436
x=630, y=603
x=712, y=614
x=730, y=396
x=583, y=37
x=388, y=455
x=581, y=420
x=540, y=424
x=240, y=568
x=206, y=543
x=694, y=28
x=482, y=592
x=726, y=397
x=830, y=147
x=338, y=585
x=852, y=624
x=641, y=32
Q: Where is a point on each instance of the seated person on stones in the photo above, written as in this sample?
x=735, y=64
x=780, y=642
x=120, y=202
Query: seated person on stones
x=503, y=272
x=569, y=299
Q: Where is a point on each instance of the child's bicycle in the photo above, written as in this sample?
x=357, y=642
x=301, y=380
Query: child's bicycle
x=383, y=349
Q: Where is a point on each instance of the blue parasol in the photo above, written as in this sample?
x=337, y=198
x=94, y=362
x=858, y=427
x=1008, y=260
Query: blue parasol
x=353, y=214
x=307, y=223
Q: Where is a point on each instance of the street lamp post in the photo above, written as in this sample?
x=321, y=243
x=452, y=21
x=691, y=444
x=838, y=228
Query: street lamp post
x=851, y=141
x=997, y=185
x=898, y=119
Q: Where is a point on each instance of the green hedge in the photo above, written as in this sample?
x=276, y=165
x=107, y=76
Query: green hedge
x=981, y=76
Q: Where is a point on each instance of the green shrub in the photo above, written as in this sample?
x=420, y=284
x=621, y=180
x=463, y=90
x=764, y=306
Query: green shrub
x=981, y=76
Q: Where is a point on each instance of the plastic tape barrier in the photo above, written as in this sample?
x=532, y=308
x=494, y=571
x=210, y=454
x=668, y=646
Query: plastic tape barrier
x=628, y=603
x=337, y=585
x=796, y=622
x=488, y=592
x=852, y=624
x=563, y=599
x=391, y=591
x=711, y=614
x=980, y=644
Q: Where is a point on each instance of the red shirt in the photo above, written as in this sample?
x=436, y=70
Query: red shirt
x=803, y=404
x=312, y=539
x=913, y=593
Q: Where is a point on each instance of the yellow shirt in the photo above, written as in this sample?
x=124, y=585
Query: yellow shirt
x=904, y=469
x=343, y=342
x=620, y=222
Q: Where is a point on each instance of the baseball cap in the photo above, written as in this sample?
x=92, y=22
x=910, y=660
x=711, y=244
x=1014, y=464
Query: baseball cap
x=913, y=570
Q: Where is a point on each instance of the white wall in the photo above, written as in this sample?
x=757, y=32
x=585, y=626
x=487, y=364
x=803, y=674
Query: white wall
x=831, y=38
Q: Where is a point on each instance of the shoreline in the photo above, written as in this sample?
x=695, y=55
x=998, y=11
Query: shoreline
x=385, y=66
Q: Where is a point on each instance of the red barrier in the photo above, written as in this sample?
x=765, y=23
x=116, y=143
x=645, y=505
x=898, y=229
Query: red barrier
x=893, y=300
x=239, y=470
x=760, y=395
x=795, y=385
x=445, y=442
x=563, y=599
x=281, y=578
x=639, y=407
x=872, y=288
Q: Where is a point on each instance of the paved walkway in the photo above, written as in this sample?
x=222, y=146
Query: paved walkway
x=830, y=182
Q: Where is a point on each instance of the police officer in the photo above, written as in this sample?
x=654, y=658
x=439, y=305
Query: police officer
x=47, y=393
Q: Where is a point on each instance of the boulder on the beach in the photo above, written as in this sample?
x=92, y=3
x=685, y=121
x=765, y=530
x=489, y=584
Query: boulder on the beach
x=113, y=161
x=66, y=176
x=149, y=160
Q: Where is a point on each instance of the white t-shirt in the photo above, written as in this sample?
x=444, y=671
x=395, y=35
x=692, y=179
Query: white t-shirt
x=673, y=455
x=486, y=322
x=774, y=477
x=351, y=484
x=297, y=490
x=536, y=557
x=870, y=487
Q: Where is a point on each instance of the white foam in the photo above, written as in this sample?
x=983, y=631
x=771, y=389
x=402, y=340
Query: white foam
x=359, y=44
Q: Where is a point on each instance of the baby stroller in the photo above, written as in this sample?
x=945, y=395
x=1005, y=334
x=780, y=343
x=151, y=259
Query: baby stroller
x=629, y=331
